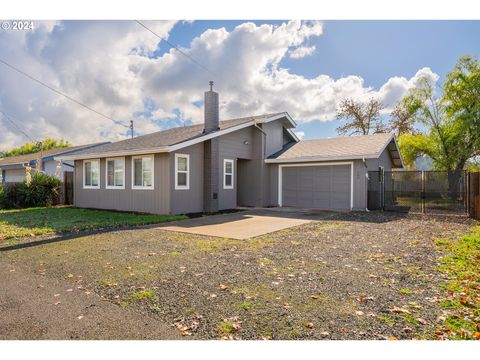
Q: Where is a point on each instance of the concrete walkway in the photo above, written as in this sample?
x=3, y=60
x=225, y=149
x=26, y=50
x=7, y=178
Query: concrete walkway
x=245, y=224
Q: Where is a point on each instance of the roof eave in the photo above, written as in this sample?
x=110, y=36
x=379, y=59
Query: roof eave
x=112, y=154
x=319, y=158
x=180, y=145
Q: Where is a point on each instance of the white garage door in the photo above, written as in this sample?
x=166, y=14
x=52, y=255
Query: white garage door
x=317, y=186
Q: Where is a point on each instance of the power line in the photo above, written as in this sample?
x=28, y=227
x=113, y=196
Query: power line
x=60, y=93
x=7, y=117
x=176, y=48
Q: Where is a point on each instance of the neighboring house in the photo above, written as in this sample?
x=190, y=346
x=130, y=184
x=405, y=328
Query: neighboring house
x=251, y=161
x=13, y=168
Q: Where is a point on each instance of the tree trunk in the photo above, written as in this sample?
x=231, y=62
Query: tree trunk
x=454, y=178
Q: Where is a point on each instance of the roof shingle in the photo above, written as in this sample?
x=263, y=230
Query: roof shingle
x=167, y=137
x=21, y=159
x=341, y=147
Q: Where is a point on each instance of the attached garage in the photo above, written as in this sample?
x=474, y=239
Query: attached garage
x=327, y=186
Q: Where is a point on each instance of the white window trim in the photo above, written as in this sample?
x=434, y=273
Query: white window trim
x=182, y=187
x=106, y=173
x=225, y=161
x=280, y=179
x=84, y=176
x=133, y=173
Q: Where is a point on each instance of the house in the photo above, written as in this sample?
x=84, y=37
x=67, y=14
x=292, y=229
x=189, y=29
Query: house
x=13, y=168
x=250, y=161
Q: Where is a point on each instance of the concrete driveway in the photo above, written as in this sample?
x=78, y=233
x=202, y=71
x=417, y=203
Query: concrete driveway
x=246, y=224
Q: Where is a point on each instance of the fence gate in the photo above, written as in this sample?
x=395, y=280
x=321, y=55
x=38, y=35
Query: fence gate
x=417, y=191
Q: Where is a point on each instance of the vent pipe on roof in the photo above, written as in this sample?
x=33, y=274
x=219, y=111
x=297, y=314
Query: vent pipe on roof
x=211, y=110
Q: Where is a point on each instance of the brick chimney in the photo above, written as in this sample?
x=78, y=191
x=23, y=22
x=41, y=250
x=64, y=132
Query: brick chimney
x=211, y=110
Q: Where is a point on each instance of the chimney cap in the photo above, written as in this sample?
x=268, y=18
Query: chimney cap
x=211, y=85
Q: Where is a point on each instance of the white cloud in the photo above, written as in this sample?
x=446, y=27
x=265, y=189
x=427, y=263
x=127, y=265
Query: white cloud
x=300, y=134
x=108, y=65
x=302, y=51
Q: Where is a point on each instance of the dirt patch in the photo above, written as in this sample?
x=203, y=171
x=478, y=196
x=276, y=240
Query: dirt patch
x=351, y=276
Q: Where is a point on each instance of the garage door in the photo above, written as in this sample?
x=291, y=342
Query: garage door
x=317, y=187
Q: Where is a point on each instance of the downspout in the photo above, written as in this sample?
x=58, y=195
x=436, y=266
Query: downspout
x=366, y=182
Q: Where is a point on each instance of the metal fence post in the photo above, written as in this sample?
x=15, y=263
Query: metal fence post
x=422, y=195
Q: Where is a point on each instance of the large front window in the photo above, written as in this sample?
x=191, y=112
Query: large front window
x=142, y=172
x=91, y=174
x=115, y=173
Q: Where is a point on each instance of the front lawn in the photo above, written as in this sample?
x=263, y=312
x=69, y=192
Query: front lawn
x=352, y=276
x=39, y=221
x=461, y=266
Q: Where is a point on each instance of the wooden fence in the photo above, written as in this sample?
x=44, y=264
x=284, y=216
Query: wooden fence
x=473, y=195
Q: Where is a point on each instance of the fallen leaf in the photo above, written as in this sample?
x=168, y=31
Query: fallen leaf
x=70, y=276
x=325, y=333
x=224, y=287
x=309, y=325
x=392, y=338
x=359, y=313
x=58, y=302
x=315, y=297
x=422, y=321
x=398, y=310
x=80, y=317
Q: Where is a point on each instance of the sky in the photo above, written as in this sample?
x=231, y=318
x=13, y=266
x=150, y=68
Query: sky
x=122, y=70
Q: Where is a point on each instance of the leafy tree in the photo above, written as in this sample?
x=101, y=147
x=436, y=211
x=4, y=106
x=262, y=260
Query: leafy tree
x=361, y=118
x=453, y=120
x=33, y=147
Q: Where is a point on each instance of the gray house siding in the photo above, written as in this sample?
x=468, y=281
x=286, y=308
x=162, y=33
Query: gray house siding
x=275, y=137
x=233, y=146
x=155, y=201
x=251, y=174
x=191, y=200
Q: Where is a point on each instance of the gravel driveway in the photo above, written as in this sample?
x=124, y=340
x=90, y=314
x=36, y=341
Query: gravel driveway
x=349, y=276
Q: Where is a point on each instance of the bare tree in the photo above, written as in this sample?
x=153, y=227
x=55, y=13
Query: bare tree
x=361, y=118
x=403, y=119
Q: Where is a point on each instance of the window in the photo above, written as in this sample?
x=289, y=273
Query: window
x=115, y=174
x=91, y=174
x=227, y=174
x=142, y=172
x=182, y=172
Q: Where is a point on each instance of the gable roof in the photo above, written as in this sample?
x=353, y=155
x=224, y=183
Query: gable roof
x=45, y=155
x=174, y=139
x=340, y=148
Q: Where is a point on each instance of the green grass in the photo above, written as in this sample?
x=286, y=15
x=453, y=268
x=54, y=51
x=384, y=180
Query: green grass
x=39, y=221
x=386, y=320
x=141, y=295
x=462, y=265
x=405, y=291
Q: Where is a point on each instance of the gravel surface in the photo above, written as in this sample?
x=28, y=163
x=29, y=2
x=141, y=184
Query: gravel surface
x=347, y=276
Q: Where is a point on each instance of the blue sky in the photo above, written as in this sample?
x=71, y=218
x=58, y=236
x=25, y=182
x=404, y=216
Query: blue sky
x=303, y=67
x=373, y=50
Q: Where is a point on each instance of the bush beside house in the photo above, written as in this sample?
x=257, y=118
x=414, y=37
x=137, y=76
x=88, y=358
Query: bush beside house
x=37, y=190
